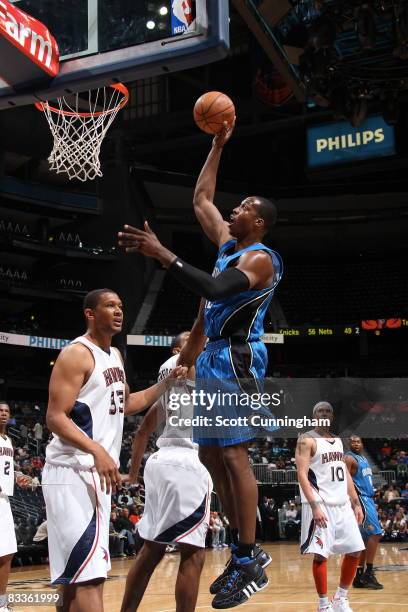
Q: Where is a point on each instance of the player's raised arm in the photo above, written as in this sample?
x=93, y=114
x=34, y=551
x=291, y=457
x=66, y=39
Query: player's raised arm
x=205, y=210
x=153, y=418
x=72, y=368
x=305, y=448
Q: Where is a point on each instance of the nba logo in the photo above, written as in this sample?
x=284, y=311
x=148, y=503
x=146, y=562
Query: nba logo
x=182, y=15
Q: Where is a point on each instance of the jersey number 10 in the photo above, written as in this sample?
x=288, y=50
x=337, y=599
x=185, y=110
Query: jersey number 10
x=337, y=474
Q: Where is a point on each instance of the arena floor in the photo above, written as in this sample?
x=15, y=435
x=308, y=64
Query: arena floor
x=290, y=588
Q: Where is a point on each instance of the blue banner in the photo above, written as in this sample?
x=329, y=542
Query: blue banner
x=340, y=143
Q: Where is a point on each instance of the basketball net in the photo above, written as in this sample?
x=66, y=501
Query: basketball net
x=78, y=135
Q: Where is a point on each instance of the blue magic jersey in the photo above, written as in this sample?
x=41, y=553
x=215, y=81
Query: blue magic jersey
x=242, y=315
x=362, y=478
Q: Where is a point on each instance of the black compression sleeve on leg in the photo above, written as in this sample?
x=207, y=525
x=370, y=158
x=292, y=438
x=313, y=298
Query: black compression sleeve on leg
x=228, y=283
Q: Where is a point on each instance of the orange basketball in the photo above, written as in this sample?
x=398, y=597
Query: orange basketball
x=211, y=110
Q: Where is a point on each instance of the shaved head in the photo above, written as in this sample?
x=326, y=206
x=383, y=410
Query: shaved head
x=267, y=211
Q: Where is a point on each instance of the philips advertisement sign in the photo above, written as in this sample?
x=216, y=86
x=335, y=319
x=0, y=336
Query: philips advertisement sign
x=341, y=143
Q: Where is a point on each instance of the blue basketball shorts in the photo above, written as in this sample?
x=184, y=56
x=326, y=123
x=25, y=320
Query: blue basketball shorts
x=371, y=525
x=229, y=383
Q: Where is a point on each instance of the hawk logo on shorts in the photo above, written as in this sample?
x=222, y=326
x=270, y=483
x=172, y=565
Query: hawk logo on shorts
x=319, y=541
x=105, y=555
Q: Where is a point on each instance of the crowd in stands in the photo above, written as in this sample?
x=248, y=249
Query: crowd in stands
x=390, y=457
x=278, y=454
x=392, y=506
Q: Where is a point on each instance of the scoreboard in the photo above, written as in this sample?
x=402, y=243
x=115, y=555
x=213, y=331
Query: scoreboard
x=372, y=326
x=314, y=331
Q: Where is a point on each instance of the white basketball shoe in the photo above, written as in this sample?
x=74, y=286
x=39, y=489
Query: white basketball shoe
x=341, y=604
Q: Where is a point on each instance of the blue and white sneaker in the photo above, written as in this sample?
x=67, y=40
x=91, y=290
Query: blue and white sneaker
x=246, y=577
x=261, y=556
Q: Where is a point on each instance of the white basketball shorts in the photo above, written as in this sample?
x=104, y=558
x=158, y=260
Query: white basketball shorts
x=178, y=495
x=341, y=536
x=8, y=542
x=78, y=524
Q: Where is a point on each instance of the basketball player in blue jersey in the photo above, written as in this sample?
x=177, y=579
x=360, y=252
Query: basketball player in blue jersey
x=371, y=529
x=88, y=398
x=238, y=294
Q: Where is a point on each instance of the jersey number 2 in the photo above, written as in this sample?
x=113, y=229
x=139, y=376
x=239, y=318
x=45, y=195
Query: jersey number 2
x=337, y=474
x=7, y=468
x=119, y=407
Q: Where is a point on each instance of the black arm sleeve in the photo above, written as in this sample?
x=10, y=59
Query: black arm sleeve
x=228, y=283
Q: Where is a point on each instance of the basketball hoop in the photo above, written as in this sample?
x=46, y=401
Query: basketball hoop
x=78, y=135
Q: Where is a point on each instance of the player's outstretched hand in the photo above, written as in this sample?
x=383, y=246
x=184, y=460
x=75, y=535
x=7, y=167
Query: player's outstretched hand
x=130, y=479
x=358, y=512
x=178, y=374
x=319, y=517
x=108, y=472
x=224, y=135
x=140, y=241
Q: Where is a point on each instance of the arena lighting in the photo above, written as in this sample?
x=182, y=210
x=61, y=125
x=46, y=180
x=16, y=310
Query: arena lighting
x=322, y=33
x=150, y=25
x=366, y=28
x=163, y=10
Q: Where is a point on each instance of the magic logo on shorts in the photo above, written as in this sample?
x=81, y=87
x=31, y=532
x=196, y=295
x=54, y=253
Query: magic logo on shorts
x=319, y=541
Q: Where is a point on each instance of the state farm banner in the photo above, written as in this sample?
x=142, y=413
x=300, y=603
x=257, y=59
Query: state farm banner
x=6, y=338
x=26, y=46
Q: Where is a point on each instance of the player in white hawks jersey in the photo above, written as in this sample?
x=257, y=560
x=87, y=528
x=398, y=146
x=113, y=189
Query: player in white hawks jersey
x=8, y=543
x=178, y=493
x=88, y=398
x=331, y=511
